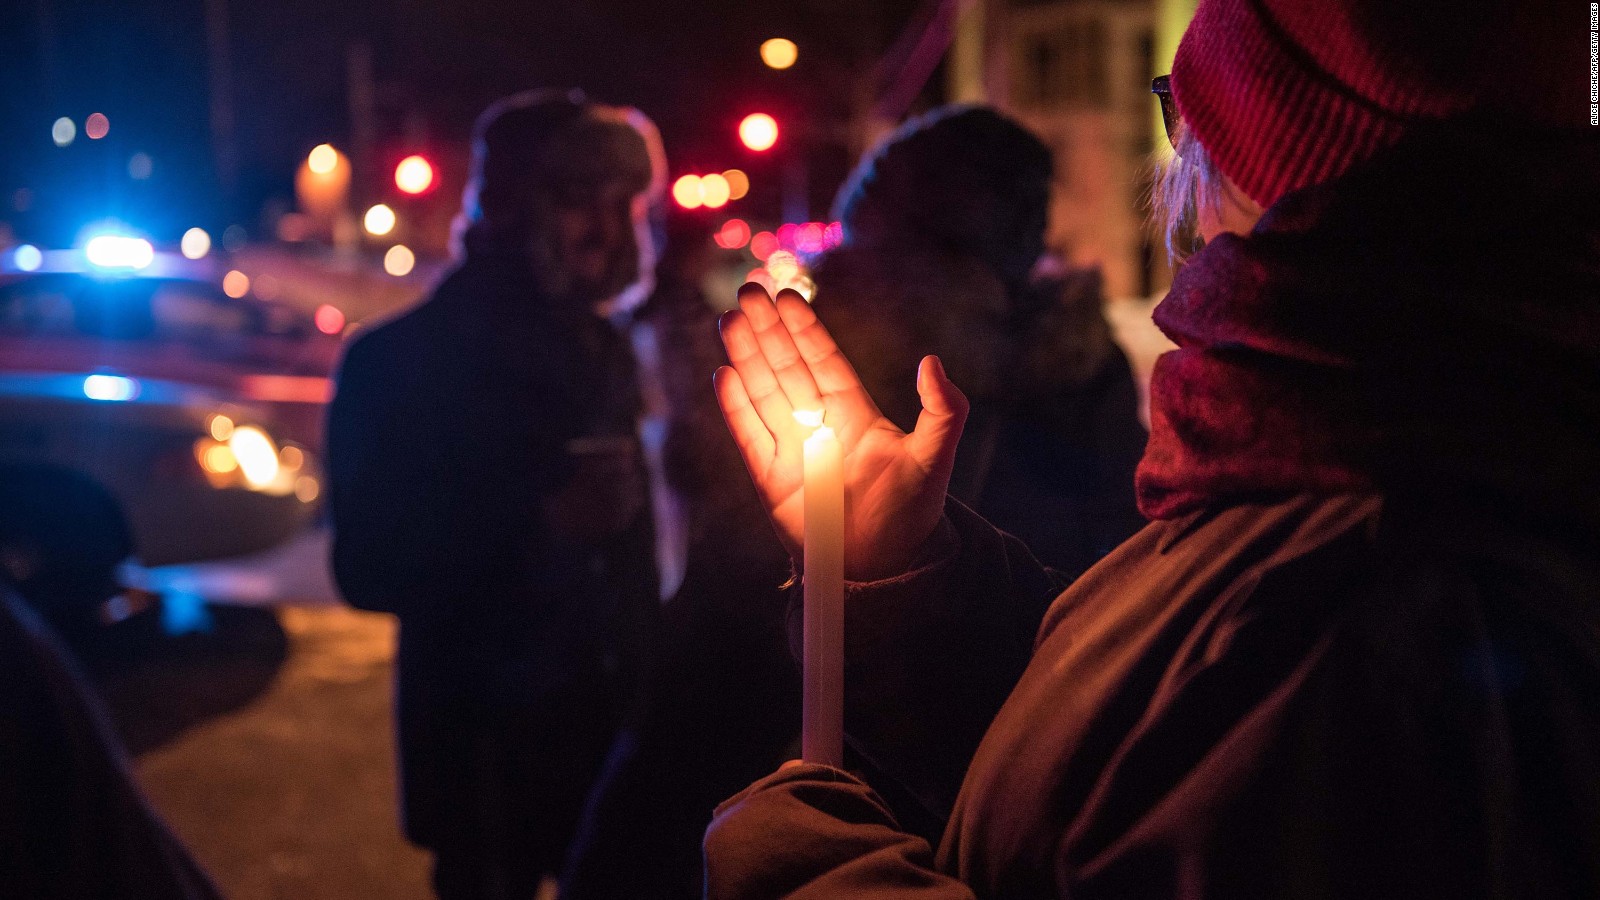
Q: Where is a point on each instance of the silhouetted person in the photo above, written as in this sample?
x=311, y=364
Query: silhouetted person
x=73, y=823
x=943, y=224
x=487, y=487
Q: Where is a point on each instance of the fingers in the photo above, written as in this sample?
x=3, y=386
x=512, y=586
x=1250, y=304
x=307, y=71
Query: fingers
x=778, y=347
x=755, y=442
x=832, y=372
x=755, y=374
x=944, y=411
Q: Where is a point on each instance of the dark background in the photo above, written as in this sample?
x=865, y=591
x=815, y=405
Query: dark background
x=693, y=67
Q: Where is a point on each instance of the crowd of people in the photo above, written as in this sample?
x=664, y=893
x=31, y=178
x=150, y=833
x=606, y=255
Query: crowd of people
x=1331, y=628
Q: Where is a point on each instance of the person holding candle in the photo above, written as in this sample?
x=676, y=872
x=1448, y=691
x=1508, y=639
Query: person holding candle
x=1357, y=652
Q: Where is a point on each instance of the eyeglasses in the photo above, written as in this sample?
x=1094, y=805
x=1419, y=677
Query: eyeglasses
x=1162, y=88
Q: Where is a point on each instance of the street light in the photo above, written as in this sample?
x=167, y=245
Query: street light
x=714, y=191
x=758, y=131
x=379, y=220
x=322, y=159
x=779, y=53
x=686, y=190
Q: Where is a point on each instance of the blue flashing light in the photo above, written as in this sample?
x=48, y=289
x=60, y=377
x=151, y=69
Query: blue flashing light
x=114, y=388
x=27, y=258
x=115, y=251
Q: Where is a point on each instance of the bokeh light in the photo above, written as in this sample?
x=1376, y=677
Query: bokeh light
x=220, y=426
x=758, y=131
x=414, y=174
x=379, y=220
x=27, y=258
x=733, y=234
x=258, y=458
x=738, y=183
x=809, y=238
x=115, y=388
x=779, y=53
x=215, y=458
x=761, y=276
x=329, y=319
x=196, y=243
x=116, y=251
x=686, y=191
x=714, y=191
x=63, y=132
x=234, y=237
x=763, y=245
x=788, y=236
x=322, y=159
x=96, y=126
x=140, y=166
x=399, y=260
x=235, y=284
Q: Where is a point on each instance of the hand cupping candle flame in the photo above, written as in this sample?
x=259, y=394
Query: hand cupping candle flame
x=783, y=361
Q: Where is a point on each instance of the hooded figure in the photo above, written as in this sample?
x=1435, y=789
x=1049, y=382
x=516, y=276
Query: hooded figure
x=943, y=225
x=488, y=488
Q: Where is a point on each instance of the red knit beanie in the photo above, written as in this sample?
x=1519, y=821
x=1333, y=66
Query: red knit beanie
x=1284, y=94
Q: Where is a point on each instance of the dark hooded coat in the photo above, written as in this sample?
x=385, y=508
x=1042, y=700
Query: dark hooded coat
x=452, y=427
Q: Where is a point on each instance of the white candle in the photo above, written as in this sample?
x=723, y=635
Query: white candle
x=822, y=712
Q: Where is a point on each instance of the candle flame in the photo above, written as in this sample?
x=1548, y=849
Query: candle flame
x=811, y=418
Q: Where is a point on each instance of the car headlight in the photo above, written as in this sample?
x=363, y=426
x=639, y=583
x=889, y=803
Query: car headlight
x=246, y=456
x=256, y=454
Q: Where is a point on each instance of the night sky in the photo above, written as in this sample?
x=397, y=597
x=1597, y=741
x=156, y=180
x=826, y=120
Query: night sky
x=693, y=67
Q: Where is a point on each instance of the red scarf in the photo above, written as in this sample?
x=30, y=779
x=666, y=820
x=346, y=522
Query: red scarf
x=1430, y=323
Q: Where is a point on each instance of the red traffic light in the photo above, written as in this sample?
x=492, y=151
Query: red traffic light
x=758, y=131
x=414, y=175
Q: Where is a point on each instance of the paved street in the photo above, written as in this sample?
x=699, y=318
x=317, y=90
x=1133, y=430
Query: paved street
x=263, y=736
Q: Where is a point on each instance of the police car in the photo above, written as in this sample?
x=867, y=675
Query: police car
x=194, y=414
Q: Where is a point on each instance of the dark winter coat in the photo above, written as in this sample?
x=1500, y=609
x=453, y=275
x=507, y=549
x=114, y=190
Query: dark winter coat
x=453, y=428
x=73, y=823
x=1308, y=698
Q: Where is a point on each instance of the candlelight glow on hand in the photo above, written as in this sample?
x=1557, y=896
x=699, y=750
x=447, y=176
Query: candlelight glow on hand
x=785, y=369
x=822, y=713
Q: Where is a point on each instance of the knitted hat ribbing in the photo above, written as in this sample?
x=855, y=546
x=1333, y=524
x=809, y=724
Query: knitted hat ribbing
x=1284, y=94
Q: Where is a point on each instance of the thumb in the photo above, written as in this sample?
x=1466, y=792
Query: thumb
x=944, y=411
